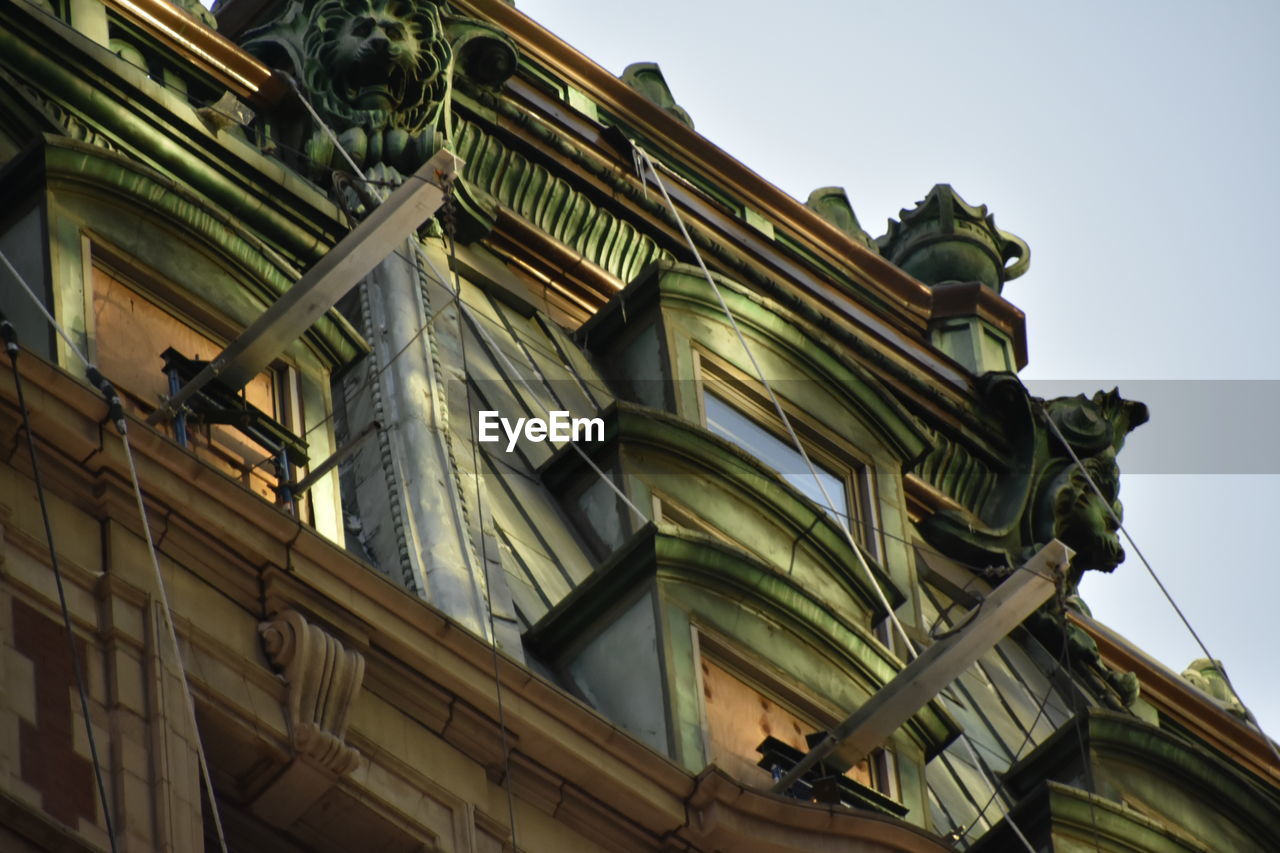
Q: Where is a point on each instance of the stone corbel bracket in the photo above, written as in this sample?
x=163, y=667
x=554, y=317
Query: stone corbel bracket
x=324, y=679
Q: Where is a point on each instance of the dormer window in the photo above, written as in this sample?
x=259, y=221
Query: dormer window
x=132, y=324
x=734, y=409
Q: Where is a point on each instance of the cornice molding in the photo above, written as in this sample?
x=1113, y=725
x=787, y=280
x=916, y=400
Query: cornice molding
x=618, y=784
x=1183, y=704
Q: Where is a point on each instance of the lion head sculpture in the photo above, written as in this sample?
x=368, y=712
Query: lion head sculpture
x=378, y=64
x=377, y=73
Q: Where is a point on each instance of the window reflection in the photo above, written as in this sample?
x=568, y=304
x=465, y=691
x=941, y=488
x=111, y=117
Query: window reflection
x=728, y=423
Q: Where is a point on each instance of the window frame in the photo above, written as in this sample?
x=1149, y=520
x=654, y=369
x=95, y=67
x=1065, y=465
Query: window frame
x=171, y=300
x=771, y=683
x=825, y=448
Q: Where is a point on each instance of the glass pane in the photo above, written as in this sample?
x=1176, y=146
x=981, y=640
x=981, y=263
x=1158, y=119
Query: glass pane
x=727, y=422
x=25, y=246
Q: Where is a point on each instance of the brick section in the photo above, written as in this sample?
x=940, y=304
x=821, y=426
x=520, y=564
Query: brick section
x=48, y=760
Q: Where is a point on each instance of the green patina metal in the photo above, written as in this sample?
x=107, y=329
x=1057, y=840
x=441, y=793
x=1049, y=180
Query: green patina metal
x=657, y=447
x=700, y=564
x=782, y=328
x=646, y=78
x=944, y=238
x=145, y=202
x=1039, y=494
x=1194, y=796
x=723, y=257
x=375, y=71
x=378, y=73
x=552, y=204
x=832, y=204
x=958, y=472
x=1209, y=676
x=115, y=105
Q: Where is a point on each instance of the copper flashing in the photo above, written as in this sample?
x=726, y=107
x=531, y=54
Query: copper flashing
x=237, y=70
x=1183, y=704
x=972, y=299
x=556, y=265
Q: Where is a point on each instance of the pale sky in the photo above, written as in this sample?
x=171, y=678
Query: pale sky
x=1132, y=144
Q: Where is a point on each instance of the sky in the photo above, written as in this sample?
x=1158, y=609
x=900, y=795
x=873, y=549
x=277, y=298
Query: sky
x=1133, y=146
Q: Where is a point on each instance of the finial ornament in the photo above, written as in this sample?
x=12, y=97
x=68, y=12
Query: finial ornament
x=944, y=238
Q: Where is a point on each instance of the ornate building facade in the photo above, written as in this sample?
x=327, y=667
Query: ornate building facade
x=345, y=618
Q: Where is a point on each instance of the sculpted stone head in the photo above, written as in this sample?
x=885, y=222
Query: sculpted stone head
x=1065, y=506
x=1037, y=492
x=377, y=72
x=376, y=63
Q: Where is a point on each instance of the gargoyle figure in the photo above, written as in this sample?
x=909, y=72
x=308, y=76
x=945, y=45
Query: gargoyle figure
x=1065, y=505
x=1041, y=494
x=377, y=73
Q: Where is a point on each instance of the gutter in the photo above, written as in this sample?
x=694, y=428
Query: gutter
x=240, y=72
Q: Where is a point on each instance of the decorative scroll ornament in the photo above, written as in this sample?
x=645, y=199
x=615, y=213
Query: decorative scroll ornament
x=378, y=73
x=324, y=679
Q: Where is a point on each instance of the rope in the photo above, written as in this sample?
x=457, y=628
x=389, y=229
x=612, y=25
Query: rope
x=77, y=667
x=446, y=215
x=315, y=116
x=116, y=415
x=489, y=342
x=795, y=439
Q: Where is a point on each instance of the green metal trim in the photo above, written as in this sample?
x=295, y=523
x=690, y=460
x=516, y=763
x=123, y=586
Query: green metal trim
x=134, y=114
x=1107, y=735
x=122, y=181
x=671, y=553
x=631, y=425
x=553, y=204
x=622, y=183
x=814, y=354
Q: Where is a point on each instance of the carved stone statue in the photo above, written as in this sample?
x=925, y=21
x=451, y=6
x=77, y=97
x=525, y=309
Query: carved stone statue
x=1041, y=494
x=377, y=72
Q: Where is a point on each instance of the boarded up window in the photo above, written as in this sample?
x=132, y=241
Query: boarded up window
x=131, y=331
x=739, y=717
